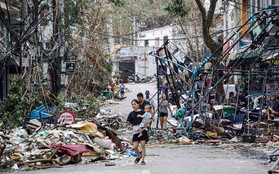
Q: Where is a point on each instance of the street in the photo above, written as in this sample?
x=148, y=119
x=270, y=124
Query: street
x=172, y=159
x=164, y=159
x=125, y=107
x=69, y=70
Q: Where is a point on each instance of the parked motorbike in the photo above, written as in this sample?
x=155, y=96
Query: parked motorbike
x=145, y=79
x=133, y=78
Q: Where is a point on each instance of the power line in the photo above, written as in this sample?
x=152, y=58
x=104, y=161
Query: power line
x=134, y=39
x=245, y=4
x=239, y=8
x=25, y=37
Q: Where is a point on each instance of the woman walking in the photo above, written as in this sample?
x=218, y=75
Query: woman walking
x=135, y=119
x=164, y=106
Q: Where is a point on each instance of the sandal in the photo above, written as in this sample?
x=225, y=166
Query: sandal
x=143, y=163
x=137, y=160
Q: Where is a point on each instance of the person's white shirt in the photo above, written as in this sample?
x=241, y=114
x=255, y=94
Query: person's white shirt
x=151, y=101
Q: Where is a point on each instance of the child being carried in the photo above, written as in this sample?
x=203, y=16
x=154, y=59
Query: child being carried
x=145, y=117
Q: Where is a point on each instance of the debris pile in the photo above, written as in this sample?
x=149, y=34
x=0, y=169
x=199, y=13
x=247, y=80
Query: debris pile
x=48, y=147
x=217, y=131
x=50, y=140
x=110, y=119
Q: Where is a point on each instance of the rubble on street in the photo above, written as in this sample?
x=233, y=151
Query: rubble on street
x=64, y=65
x=71, y=140
x=105, y=138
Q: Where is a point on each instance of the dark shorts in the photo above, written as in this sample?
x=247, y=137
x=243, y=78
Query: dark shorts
x=121, y=92
x=141, y=138
x=162, y=114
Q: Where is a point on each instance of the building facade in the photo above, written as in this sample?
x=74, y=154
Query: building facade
x=9, y=25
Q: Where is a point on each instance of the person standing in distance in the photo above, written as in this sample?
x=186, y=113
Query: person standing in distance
x=151, y=101
x=165, y=90
x=142, y=101
x=122, y=90
x=164, y=106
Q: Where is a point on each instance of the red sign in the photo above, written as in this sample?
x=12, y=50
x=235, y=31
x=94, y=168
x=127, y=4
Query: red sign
x=66, y=117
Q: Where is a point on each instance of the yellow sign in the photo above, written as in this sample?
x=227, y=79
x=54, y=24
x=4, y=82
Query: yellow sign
x=274, y=62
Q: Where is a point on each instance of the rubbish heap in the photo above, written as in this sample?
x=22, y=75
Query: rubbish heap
x=45, y=143
x=40, y=145
x=214, y=130
x=37, y=148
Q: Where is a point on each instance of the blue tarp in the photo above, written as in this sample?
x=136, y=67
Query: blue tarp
x=41, y=111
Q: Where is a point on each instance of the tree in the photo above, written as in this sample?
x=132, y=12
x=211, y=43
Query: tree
x=179, y=8
x=89, y=40
x=191, y=28
x=207, y=19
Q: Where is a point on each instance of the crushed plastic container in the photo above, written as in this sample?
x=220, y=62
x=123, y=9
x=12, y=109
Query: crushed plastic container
x=228, y=111
x=110, y=163
x=106, y=94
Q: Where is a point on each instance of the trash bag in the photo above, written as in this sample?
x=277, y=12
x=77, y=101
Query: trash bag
x=105, y=143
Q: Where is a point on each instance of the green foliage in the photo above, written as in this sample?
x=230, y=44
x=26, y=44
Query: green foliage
x=108, y=66
x=117, y=75
x=18, y=104
x=177, y=7
x=92, y=101
x=86, y=105
x=74, y=11
x=118, y=3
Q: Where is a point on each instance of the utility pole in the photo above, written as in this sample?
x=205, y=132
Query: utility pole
x=24, y=11
x=110, y=31
x=55, y=66
x=134, y=30
x=61, y=43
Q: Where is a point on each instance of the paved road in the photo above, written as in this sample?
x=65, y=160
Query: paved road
x=166, y=159
x=172, y=159
x=125, y=107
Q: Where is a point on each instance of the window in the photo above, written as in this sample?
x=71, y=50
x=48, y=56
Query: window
x=157, y=41
x=165, y=39
x=146, y=43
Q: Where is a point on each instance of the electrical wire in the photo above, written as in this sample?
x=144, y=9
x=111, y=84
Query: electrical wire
x=239, y=8
x=245, y=4
x=133, y=39
x=23, y=38
x=180, y=38
x=236, y=65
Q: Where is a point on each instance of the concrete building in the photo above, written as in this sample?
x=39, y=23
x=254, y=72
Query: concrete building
x=17, y=55
x=235, y=14
x=155, y=38
x=244, y=13
x=136, y=60
x=9, y=64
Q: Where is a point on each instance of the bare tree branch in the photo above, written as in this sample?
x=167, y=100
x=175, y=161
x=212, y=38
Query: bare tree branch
x=206, y=23
x=210, y=13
